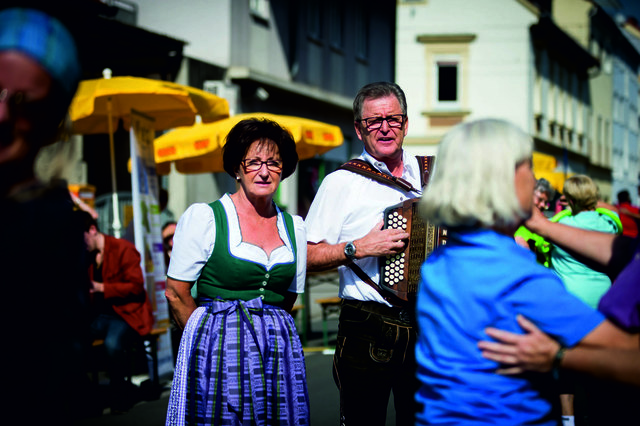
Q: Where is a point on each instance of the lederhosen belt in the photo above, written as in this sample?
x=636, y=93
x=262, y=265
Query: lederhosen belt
x=402, y=315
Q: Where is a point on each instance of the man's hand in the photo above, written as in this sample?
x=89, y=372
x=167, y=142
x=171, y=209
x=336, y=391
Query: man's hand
x=536, y=222
x=533, y=351
x=96, y=287
x=381, y=242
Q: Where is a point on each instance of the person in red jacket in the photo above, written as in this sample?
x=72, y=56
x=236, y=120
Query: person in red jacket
x=629, y=214
x=121, y=308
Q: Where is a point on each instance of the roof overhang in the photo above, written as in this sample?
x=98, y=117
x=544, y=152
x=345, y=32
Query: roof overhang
x=564, y=49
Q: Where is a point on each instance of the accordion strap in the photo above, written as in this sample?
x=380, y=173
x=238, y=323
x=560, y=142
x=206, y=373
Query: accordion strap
x=389, y=297
x=366, y=169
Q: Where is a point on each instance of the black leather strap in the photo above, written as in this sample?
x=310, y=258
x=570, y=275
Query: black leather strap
x=389, y=297
x=364, y=168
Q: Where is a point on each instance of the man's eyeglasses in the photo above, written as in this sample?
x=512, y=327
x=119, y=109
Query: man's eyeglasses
x=255, y=165
x=18, y=104
x=373, y=123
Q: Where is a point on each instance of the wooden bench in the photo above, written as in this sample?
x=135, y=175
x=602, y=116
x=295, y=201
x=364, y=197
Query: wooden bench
x=152, y=340
x=330, y=306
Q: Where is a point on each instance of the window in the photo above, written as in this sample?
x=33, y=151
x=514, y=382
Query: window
x=447, y=81
x=336, y=24
x=362, y=31
x=314, y=20
x=447, y=56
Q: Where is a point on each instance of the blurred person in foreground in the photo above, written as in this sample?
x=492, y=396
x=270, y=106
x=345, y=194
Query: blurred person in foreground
x=241, y=360
x=45, y=285
x=615, y=372
x=481, y=191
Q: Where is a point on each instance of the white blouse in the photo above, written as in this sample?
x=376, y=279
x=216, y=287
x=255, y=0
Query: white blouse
x=195, y=237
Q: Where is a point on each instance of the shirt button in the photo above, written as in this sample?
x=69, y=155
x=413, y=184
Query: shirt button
x=266, y=275
x=261, y=296
x=262, y=289
x=264, y=283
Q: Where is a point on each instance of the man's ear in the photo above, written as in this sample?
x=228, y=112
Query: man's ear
x=357, y=127
x=93, y=229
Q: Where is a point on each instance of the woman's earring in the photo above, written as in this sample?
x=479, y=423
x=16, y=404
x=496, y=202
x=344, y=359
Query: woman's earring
x=237, y=177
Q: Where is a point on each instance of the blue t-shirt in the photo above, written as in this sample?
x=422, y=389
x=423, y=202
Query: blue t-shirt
x=484, y=279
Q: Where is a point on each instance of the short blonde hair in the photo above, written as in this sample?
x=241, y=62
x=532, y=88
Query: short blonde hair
x=581, y=192
x=474, y=178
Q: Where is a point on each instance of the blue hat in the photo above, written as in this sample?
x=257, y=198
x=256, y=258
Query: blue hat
x=44, y=39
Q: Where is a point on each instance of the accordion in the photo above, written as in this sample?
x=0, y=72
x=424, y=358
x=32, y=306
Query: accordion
x=400, y=273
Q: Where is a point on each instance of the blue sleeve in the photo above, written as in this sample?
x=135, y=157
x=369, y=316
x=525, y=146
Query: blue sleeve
x=542, y=298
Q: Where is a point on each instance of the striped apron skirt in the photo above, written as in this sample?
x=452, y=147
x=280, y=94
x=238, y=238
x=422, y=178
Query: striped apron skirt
x=239, y=363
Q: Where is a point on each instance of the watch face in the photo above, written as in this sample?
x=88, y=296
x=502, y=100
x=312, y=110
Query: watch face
x=349, y=249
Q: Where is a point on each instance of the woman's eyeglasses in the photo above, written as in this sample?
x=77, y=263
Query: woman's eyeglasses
x=255, y=165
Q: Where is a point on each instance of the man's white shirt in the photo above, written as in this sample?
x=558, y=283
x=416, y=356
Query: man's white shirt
x=347, y=206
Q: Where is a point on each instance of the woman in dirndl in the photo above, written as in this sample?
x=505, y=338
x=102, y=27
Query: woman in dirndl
x=240, y=360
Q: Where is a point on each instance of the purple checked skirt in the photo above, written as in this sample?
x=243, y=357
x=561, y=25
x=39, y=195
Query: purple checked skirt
x=239, y=363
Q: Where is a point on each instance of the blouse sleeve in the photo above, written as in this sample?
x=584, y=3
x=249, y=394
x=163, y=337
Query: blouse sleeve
x=297, y=286
x=192, y=243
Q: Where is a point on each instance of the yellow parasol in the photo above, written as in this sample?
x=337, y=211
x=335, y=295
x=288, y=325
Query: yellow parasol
x=99, y=104
x=198, y=149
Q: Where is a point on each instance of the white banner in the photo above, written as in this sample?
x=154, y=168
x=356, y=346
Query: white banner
x=147, y=229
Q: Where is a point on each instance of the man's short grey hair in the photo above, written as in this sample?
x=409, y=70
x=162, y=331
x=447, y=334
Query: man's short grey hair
x=544, y=186
x=474, y=176
x=380, y=89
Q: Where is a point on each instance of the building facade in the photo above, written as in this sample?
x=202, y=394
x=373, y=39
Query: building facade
x=548, y=67
x=305, y=59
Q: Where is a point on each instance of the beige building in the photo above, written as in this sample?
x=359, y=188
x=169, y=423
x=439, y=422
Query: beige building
x=551, y=72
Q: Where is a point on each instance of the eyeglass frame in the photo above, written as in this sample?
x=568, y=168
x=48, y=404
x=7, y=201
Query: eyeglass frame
x=19, y=105
x=382, y=120
x=266, y=163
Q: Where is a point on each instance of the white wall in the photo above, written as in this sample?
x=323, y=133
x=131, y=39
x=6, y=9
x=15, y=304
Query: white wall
x=500, y=59
x=204, y=24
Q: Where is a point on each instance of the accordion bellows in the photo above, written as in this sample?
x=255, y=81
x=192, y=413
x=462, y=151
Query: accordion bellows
x=400, y=273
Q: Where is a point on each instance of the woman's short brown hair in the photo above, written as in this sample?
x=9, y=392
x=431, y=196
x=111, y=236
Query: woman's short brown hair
x=248, y=131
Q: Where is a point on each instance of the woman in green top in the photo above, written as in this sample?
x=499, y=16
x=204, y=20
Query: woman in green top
x=240, y=359
x=580, y=279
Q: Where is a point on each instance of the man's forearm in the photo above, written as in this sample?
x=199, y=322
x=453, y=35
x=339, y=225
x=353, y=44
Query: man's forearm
x=605, y=363
x=323, y=256
x=609, y=250
x=596, y=246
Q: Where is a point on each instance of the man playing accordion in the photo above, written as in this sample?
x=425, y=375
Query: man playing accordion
x=375, y=345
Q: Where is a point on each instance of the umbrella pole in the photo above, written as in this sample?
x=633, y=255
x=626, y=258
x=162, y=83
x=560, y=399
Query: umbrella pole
x=117, y=226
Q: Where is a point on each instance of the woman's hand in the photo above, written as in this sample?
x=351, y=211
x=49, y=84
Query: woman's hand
x=534, y=351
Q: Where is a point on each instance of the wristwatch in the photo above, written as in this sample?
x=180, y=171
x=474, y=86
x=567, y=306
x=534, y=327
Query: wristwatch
x=350, y=251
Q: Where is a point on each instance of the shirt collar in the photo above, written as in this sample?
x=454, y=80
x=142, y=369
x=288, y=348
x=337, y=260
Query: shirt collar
x=409, y=170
